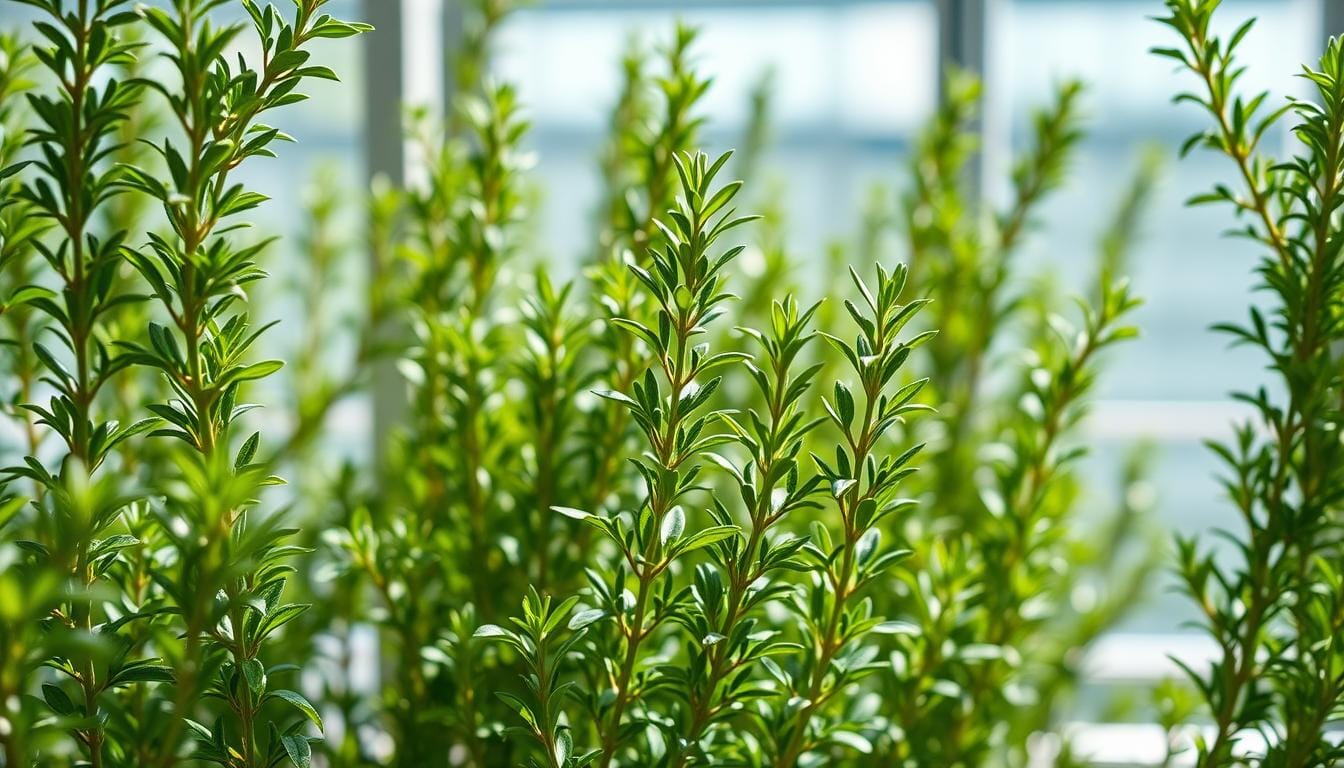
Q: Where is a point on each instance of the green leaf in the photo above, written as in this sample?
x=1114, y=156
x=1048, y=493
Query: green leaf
x=299, y=750
x=27, y=295
x=896, y=628
x=578, y=620
x=247, y=451
x=674, y=522
x=491, y=630
x=279, y=617
x=57, y=699
x=853, y=741
x=113, y=543
x=577, y=514
x=613, y=395
x=143, y=671
x=10, y=170
x=867, y=545
x=255, y=371
x=300, y=703
x=707, y=536
x=255, y=674
x=564, y=746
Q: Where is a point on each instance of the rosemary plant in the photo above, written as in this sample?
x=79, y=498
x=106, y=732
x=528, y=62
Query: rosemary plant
x=188, y=596
x=763, y=649
x=1275, y=606
x=686, y=283
x=863, y=479
x=649, y=129
x=197, y=274
x=78, y=505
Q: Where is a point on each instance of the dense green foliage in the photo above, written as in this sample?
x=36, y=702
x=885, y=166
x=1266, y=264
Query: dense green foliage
x=142, y=578
x=1275, y=606
x=702, y=501
x=708, y=504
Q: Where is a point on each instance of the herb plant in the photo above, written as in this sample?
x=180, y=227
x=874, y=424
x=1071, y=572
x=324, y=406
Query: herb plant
x=737, y=618
x=78, y=505
x=154, y=588
x=1274, y=604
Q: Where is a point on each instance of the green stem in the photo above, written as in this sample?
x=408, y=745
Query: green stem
x=829, y=643
x=664, y=448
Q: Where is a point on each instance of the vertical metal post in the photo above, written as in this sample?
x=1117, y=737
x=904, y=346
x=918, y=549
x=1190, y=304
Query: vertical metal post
x=1332, y=18
x=961, y=36
x=963, y=27
x=454, y=29
x=385, y=157
x=384, y=89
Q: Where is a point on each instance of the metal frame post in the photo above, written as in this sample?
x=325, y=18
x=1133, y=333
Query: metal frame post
x=1332, y=18
x=385, y=157
x=963, y=28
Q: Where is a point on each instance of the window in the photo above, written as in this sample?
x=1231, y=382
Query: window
x=853, y=81
x=1171, y=386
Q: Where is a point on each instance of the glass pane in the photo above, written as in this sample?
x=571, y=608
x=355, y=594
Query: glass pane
x=853, y=81
x=1189, y=276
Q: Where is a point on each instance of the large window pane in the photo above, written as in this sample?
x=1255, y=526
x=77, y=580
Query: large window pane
x=853, y=81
